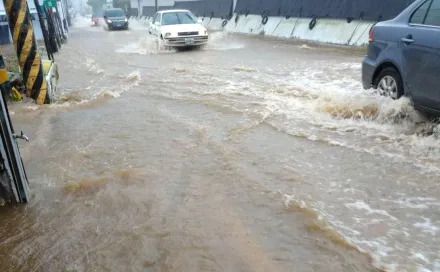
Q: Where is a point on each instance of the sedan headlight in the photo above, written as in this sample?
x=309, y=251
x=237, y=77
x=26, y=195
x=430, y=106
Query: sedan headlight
x=126, y=19
x=109, y=21
x=168, y=34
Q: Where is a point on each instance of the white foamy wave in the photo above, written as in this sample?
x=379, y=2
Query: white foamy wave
x=82, y=22
x=134, y=78
x=145, y=46
x=31, y=107
x=139, y=24
x=305, y=46
x=131, y=80
x=387, y=239
x=79, y=97
x=107, y=94
x=223, y=41
x=92, y=66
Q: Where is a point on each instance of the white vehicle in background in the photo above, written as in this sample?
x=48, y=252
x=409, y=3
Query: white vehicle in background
x=178, y=28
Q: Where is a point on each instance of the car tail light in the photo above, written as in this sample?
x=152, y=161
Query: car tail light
x=371, y=35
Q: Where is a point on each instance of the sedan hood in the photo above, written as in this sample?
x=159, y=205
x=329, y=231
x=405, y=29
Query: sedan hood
x=182, y=28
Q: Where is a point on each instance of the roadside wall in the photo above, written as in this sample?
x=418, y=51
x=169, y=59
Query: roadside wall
x=371, y=10
x=205, y=8
x=330, y=21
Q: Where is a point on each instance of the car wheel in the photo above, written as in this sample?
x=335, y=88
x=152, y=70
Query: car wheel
x=389, y=83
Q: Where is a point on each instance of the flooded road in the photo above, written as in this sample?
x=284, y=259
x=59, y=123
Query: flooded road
x=249, y=155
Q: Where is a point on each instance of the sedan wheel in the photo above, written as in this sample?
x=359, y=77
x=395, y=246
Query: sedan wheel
x=389, y=83
x=388, y=87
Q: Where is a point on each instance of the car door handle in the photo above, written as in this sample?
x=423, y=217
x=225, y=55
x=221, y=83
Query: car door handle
x=407, y=40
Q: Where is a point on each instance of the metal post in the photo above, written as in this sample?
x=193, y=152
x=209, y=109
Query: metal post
x=49, y=48
x=157, y=8
x=53, y=34
x=66, y=7
x=25, y=44
x=60, y=24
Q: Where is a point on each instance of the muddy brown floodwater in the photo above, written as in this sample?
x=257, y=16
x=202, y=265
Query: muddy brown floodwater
x=251, y=154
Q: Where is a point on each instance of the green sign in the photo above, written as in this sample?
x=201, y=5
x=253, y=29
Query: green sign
x=50, y=3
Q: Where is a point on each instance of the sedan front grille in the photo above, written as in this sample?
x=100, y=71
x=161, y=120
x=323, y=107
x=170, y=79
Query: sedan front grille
x=189, y=33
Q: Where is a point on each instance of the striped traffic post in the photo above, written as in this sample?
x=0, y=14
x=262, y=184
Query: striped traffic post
x=25, y=44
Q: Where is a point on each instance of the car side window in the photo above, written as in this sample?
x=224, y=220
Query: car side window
x=418, y=17
x=433, y=16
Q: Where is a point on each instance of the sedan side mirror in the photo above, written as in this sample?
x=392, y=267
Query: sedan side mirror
x=199, y=21
x=157, y=23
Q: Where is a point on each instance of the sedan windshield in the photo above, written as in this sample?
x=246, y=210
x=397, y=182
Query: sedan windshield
x=178, y=18
x=115, y=13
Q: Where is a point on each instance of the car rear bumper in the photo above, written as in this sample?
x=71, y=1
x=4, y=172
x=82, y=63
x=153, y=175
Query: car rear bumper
x=182, y=41
x=368, y=69
x=118, y=26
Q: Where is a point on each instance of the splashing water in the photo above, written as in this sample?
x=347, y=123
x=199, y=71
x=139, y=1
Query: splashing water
x=144, y=46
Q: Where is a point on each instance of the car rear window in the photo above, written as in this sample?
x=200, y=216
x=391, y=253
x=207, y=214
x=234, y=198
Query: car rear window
x=115, y=13
x=177, y=18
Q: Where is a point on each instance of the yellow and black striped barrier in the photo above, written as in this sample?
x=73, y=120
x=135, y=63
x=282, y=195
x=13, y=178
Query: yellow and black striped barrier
x=25, y=44
x=5, y=85
x=4, y=77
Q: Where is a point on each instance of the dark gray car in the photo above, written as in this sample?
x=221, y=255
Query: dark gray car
x=403, y=56
x=116, y=18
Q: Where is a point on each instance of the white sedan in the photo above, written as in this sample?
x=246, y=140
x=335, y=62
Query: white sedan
x=178, y=28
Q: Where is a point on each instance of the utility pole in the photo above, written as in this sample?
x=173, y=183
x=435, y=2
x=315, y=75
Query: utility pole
x=157, y=8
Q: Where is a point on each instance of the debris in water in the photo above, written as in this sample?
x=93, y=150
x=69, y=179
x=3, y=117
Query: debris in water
x=351, y=111
x=180, y=70
x=305, y=46
x=244, y=69
x=88, y=185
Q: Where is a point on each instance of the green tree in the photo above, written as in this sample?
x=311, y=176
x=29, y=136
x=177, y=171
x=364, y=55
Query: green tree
x=96, y=4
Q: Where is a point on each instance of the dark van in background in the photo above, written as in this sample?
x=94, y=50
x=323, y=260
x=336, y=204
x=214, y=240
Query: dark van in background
x=115, y=18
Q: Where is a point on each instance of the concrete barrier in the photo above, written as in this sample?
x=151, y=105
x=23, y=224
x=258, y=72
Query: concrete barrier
x=215, y=24
x=285, y=27
x=230, y=26
x=250, y=24
x=325, y=30
x=205, y=21
x=336, y=31
x=272, y=24
x=360, y=36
